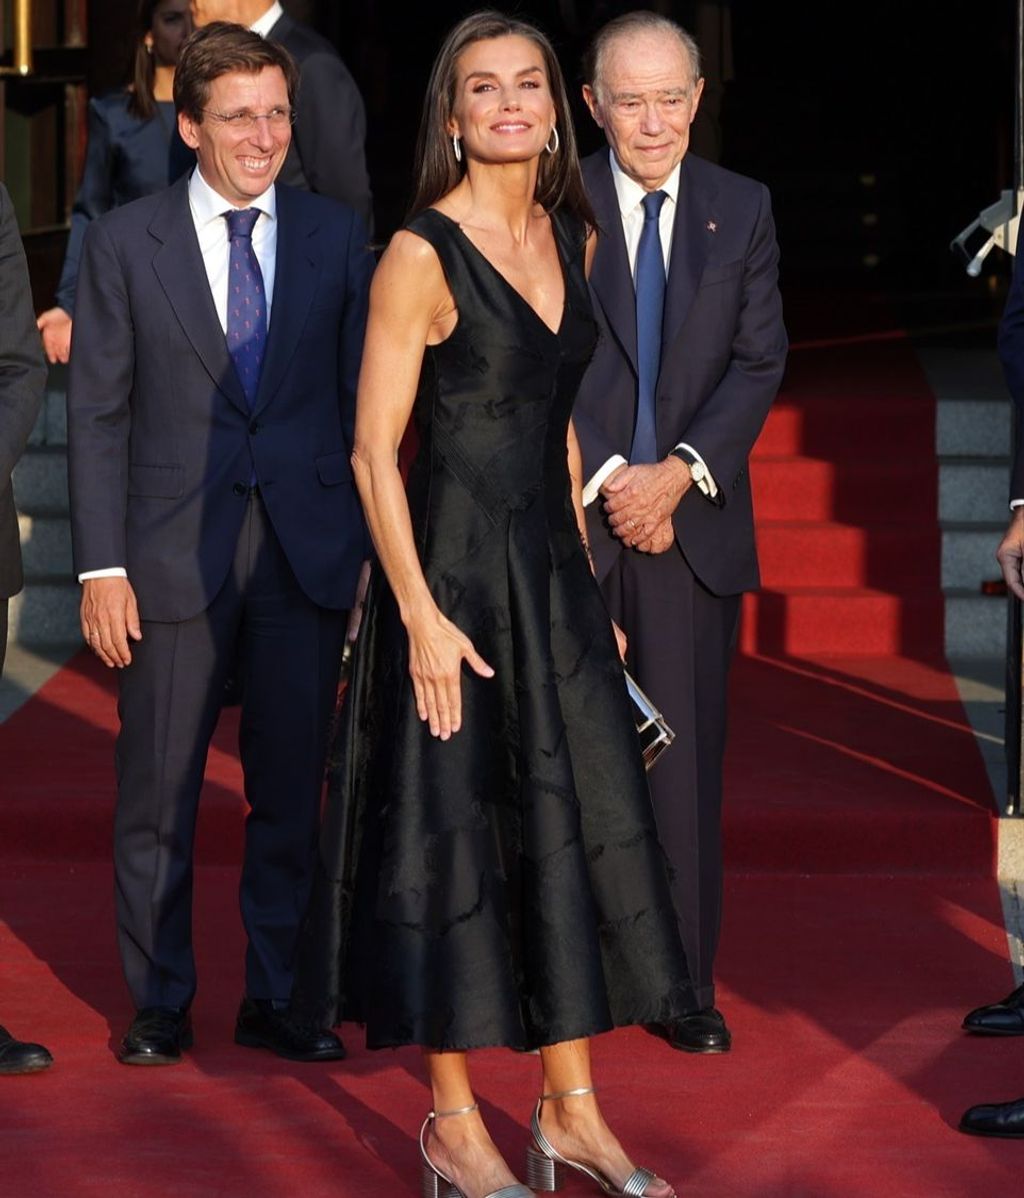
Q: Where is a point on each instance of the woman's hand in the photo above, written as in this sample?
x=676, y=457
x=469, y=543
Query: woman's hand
x=437, y=650
x=621, y=640
x=55, y=326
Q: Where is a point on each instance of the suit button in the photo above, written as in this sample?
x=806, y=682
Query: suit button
x=254, y=427
x=240, y=489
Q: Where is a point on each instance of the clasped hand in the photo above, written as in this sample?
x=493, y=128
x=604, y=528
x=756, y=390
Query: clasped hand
x=641, y=500
x=437, y=649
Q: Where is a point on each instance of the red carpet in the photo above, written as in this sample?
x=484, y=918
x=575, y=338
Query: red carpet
x=862, y=916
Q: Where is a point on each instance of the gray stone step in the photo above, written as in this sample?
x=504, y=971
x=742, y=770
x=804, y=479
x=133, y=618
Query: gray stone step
x=975, y=625
x=974, y=491
x=968, y=555
x=973, y=428
x=963, y=373
x=46, y=545
x=41, y=482
x=51, y=428
x=45, y=613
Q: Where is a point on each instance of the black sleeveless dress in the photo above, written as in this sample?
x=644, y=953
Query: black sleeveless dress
x=505, y=887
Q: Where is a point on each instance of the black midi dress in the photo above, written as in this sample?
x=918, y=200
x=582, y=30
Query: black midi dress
x=505, y=887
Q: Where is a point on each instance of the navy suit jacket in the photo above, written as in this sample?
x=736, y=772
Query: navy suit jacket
x=723, y=354
x=161, y=442
x=1011, y=354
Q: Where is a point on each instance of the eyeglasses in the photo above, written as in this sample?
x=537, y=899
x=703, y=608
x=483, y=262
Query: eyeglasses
x=245, y=121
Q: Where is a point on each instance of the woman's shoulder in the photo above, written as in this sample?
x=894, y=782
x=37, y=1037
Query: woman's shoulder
x=113, y=104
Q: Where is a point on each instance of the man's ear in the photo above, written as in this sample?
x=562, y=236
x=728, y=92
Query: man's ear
x=590, y=96
x=698, y=91
x=187, y=131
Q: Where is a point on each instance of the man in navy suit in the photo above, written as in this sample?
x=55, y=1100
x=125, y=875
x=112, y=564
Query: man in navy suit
x=217, y=339
x=691, y=354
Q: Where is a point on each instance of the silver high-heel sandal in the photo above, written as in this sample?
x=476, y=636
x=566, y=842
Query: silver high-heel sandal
x=545, y=1166
x=436, y=1185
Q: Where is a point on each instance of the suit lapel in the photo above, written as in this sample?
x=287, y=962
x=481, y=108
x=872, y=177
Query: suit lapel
x=179, y=266
x=691, y=244
x=295, y=278
x=610, y=277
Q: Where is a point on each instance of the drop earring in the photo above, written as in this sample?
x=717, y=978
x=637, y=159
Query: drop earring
x=457, y=147
x=553, y=149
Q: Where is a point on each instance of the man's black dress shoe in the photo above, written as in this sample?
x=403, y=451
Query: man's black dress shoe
x=20, y=1056
x=262, y=1025
x=702, y=1031
x=1004, y=1018
x=1004, y=1119
x=156, y=1037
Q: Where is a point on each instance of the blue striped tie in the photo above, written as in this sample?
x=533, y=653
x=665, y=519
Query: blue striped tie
x=650, y=305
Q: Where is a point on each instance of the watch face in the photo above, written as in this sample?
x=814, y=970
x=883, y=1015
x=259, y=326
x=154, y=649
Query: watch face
x=696, y=471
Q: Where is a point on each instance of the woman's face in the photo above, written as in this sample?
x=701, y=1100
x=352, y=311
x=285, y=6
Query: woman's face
x=503, y=110
x=171, y=24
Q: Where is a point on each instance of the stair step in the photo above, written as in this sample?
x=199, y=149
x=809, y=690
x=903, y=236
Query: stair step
x=865, y=491
x=973, y=428
x=41, y=481
x=819, y=428
x=852, y=622
x=890, y=557
x=46, y=613
x=969, y=556
x=975, y=492
x=46, y=544
x=975, y=625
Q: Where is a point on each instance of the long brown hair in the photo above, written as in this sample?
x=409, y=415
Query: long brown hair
x=559, y=182
x=141, y=103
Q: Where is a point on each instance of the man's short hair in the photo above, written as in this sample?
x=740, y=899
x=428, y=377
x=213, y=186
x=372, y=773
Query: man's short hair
x=222, y=48
x=633, y=23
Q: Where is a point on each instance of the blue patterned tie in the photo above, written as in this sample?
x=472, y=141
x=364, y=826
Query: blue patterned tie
x=650, y=304
x=247, y=302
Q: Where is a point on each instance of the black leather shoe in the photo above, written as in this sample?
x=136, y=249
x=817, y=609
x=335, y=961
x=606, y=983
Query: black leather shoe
x=1004, y=1119
x=20, y=1056
x=261, y=1025
x=1004, y=1018
x=703, y=1031
x=157, y=1036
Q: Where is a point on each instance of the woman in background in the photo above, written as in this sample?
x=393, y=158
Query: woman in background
x=132, y=151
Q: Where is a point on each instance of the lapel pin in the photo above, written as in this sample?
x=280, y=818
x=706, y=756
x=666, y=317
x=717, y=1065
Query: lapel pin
x=712, y=227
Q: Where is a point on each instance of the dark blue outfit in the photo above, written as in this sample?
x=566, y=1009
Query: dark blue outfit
x=125, y=159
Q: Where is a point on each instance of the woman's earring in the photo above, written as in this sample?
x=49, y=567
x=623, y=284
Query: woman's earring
x=457, y=147
x=553, y=149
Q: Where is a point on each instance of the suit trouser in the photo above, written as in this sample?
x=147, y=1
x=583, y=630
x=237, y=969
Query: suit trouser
x=681, y=641
x=3, y=633
x=288, y=656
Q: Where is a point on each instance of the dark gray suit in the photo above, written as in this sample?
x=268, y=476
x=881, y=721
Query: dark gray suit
x=22, y=379
x=722, y=357
x=328, y=152
x=163, y=449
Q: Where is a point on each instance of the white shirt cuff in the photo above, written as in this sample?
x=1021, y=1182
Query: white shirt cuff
x=1015, y=503
x=112, y=572
x=707, y=484
x=597, y=480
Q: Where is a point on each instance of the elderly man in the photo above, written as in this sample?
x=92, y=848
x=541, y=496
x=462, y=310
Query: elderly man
x=211, y=406
x=690, y=358
x=327, y=153
x=22, y=378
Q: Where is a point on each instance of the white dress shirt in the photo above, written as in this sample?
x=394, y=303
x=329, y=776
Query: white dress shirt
x=630, y=196
x=208, y=210
x=263, y=25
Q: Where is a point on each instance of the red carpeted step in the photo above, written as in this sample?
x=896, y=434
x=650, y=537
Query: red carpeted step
x=818, y=620
x=820, y=427
x=843, y=555
x=864, y=490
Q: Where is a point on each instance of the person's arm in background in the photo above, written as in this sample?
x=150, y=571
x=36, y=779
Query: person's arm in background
x=95, y=196
x=22, y=370
x=1010, y=553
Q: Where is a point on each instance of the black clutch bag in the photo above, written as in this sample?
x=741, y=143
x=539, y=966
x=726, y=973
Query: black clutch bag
x=655, y=735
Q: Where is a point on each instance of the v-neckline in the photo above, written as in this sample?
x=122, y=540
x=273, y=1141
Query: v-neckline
x=556, y=333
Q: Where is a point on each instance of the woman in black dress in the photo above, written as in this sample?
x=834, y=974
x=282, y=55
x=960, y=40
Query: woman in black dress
x=489, y=866
x=133, y=149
